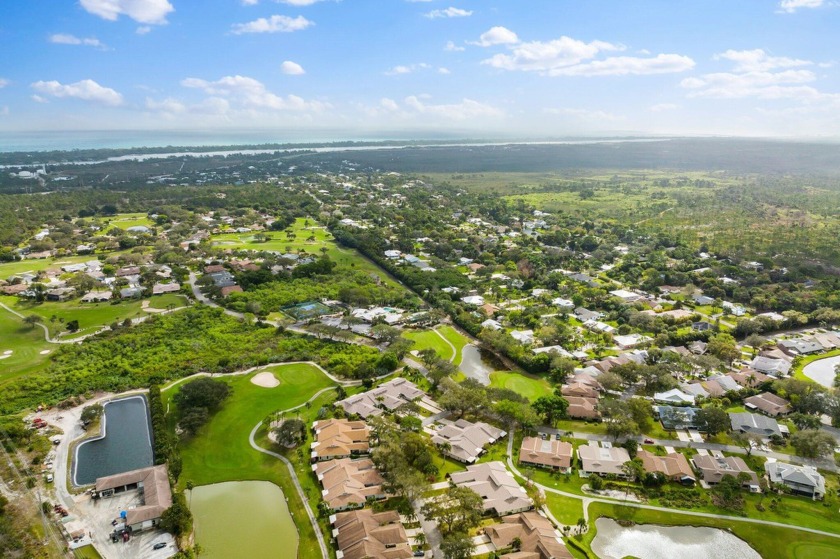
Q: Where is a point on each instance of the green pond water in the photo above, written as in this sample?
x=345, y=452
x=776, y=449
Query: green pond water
x=243, y=519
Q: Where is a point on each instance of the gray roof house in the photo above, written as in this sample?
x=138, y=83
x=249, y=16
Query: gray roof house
x=713, y=468
x=388, y=396
x=602, y=460
x=465, y=440
x=497, y=487
x=804, y=480
x=771, y=366
x=760, y=425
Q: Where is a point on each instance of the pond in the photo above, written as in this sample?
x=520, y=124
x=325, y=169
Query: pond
x=475, y=365
x=125, y=444
x=822, y=370
x=649, y=541
x=243, y=519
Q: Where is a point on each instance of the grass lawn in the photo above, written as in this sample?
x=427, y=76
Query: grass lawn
x=26, y=344
x=91, y=316
x=427, y=339
x=565, y=509
x=221, y=452
x=526, y=385
x=769, y=541
x=87, y=552
x=167, y=299
x=124, y=221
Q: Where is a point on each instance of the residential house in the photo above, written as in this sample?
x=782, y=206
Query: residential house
x=465, y=441
x=800, y=346
x=131, y=292
x=803, y=480
x=713, y=468
x=582, y=408
x=161, y=288
x=364, y=534
x=770, y=366
x=602, y=460
x=585, y=315
x=97, y=296
x=349, y=483
x=60, y=294
x=582, y=389
x=768, y=403
x=127, y=271
x=156, y=494
x=388, y=396
x=749, y=378
x=625, y=296
x=673, y=396
x=677, y=418
x=546, y=453
x=500, y=492
x=476, y=300
x=228, y=289
x=536, y=536
x=491, y=324
x=630, y=341
x=339, y=438
x=525, y=337
x=673, y=466
x=745, y=422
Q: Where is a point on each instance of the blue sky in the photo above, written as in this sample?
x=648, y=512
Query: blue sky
x=525, y=68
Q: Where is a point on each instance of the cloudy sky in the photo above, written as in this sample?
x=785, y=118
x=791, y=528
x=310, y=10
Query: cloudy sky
x=526, y=68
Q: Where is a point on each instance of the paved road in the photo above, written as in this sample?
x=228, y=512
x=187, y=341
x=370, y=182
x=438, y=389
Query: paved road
x=586, y=500
x=318, y=534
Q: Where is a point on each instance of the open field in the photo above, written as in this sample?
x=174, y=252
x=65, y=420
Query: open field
x=526, y=385
x=167, y=300
x=456, y=339
x=123, y=221
x=8, y=269
x=221, y=452
x=770, y=541
x=91, y=316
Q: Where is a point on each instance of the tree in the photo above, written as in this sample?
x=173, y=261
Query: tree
x=813, y=443
x=516, y=413
x=92, y=413
x=458, y=510
x=291, y=433
x=466, y=398
x=641, y=411
x=457, y=545
x=32, y=319
x=193, y=419
x=747, y=441
x=177, y=519
x=713, y=420
x=805, y=421
x=551, y=408
x=723, y=347
x=202, y=393
x=73, y=325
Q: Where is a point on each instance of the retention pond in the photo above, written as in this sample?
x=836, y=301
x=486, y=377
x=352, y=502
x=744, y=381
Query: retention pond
x=125, y=443
x=243, y=519
x=649, y=541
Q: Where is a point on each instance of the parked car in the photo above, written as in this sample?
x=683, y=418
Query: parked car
x=648, y=441
x=159, y=545
x=49, y=478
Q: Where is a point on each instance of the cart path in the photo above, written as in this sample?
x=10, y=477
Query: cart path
x=324, y=552
x=451, y=346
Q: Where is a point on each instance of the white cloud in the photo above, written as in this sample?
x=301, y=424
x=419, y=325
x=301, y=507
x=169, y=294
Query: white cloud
x=292, y=68
x=250, y=2
x=403, y=69
x=465, y=110
x=571, y=57
x=170, y=107
x=298, y=2
x=143, y=29
x=87, y=90
x=452, y=47
x=584, y=114
x=253, y=94
x=39, y=99
x=759, y=61
x=662, y=107
x=3, y=83
x=141, y=11
x=444, y=71
x=67, y=39
x=496, y=36
x=448, y=12
x=791, y=6
x=273, y=24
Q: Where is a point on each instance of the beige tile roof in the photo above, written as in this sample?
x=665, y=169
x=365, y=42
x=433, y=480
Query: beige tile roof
x=337, y=438
x=157, y=495
x=363, y=534
x=598, y=460
x=674, y=465
x=551, y=453
x=466, y=440
x=539, y=539
x=348, y=482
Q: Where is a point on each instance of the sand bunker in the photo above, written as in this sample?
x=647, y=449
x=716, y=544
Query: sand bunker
x=45, y=352
x=265, y=379
x=4, y=356
x=7, y=352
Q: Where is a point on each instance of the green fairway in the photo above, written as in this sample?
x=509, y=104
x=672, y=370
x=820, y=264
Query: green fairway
x=529, y=386
x=86, y=552
x=427, y=339
x=8, y=269
x=25, y=344
x=770, y=541
x=124, y=221
x=168, y=300
x=221, y=451
x=567, y=510
x=91, y=316
x=456, y=339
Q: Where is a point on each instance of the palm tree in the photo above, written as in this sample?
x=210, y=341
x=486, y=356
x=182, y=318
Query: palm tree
x=581, y=525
